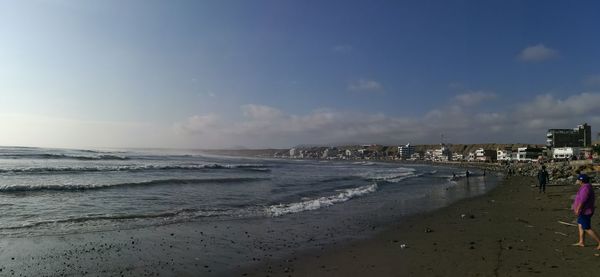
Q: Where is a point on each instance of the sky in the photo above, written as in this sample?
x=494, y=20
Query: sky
x=280, y=73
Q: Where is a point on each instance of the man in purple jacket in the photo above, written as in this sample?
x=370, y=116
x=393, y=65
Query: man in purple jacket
x=583, y=206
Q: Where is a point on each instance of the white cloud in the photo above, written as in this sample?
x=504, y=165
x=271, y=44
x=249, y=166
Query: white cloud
x=365, y=85
x=265, y=126
x=537, y=53
x=474, y=98
x=548, y=107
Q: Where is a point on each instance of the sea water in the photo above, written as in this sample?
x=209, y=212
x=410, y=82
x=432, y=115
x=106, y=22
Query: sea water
x=287, y=205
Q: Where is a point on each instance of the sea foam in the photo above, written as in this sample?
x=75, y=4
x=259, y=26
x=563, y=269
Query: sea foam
x=322, y=202
x=79, y=187
x=79, y=169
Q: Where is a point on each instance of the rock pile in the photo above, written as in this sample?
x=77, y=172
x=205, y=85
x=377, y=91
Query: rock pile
x=560, y=172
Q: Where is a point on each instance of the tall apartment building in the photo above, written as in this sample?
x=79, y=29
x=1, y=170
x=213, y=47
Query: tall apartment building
x=576, y=137
x=406, y=151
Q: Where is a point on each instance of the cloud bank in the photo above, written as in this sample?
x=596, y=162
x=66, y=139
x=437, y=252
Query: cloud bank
x=461, y=121
x=264, y=126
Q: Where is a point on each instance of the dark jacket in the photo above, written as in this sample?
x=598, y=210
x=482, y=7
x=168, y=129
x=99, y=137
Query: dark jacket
x=543, y=177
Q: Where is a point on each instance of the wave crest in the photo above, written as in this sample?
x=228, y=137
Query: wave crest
x=42, y=170
x=322, y=202
x=80, y=187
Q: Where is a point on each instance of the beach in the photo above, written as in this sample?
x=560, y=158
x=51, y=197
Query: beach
x=129, y=213
x=85, y=212
x=511, y=231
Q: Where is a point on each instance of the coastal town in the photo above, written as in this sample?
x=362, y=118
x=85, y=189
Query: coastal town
x=561, y=145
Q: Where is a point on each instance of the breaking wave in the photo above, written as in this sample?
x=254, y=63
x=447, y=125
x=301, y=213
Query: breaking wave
x=80, y=187
x=391, y=176
x=42, y=170
x=49, y=156
x=322, y=202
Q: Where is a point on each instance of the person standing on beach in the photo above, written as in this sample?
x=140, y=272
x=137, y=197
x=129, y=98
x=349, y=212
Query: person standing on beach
x=583, y=206
x=543, y=179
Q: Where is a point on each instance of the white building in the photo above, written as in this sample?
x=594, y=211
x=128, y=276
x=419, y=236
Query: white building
x=457, y=157
x=442, y=154
x=565, y=152
x=526, y=154
x=480, y=154
x=504, y=154
x=292, y=152
x=415, y=156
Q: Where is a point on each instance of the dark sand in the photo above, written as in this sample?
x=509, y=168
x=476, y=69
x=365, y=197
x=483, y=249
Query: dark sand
x=511, y=231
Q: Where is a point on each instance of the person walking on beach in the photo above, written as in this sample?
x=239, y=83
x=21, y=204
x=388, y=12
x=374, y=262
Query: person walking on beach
x=583, y=206
x=543, y=179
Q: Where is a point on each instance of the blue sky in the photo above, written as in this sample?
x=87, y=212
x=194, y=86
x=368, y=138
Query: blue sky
x=218, y=74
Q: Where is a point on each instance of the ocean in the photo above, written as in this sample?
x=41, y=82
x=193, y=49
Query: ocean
x=249, y=208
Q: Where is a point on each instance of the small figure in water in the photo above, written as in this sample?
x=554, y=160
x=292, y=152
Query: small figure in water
x=467, y=173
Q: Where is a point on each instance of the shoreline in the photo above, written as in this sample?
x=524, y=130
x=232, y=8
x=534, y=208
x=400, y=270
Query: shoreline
x=178, y=249
x=510, y=231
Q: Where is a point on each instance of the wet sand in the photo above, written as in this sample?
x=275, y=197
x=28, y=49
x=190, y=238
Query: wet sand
x=511, y=231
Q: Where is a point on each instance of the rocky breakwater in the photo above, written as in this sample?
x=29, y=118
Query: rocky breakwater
x=560, y=172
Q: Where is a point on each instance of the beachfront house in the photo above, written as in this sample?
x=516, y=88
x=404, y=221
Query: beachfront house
x=564, y=153
x=441, y=154
x=457, y=157
x=527, y=154
x=485, y=155
x=415, y=156
x=504, y=155
x=480, y=155
x=471, y=156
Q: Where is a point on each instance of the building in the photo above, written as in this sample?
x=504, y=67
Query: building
x=457, y=157
x=406, y=151
x=526, y=154
x=504, y=155
x=576, y=137
x=485, y=155
x=564, y=153
x=443, y=154
x=415, y=156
